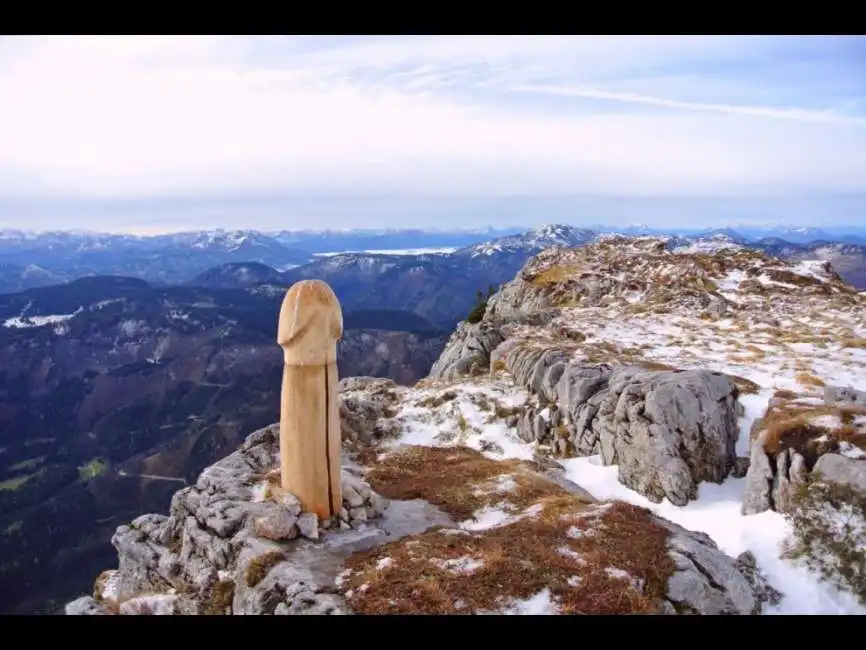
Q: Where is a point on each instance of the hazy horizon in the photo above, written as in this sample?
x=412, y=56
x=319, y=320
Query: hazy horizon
x=177, y=133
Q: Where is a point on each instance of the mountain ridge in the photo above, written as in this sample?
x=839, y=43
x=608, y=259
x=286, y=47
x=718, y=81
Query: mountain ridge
x=620, y=390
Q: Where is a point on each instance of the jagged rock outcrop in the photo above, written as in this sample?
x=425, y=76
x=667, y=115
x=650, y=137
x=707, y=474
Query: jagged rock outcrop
x=706, y=581
x=236, y=543
x=779, y=467
x=835, y=468
x=365, y=404
x=666, y=431
x=468, y=350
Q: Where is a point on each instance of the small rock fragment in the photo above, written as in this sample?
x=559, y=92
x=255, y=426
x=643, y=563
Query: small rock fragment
x=741, y=467
x=286, y=499
x=308, y=524
x=277, y=526
x=378, y=504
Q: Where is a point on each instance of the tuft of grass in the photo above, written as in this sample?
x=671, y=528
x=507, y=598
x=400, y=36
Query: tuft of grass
x=791, y=425
x=221, y=596
x=259, y=566
x=854, y=342
x=808, y=379
x=829, y=524
x=787, y=277
x=500, y=411
x=593, y=560
x=553, y=275
x=459, y=480
x=435, y=401
x=745, y=386
x=100, y=583
x=498, y=366
x=655, y=365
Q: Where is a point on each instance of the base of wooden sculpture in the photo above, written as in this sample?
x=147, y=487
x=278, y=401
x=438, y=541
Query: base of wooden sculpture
x=310, y=440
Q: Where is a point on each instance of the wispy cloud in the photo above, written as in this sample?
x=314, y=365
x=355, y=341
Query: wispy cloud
x=156, y=118
x=797, y=114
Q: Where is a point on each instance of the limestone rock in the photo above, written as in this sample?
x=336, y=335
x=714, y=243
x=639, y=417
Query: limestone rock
x=87, y=606
x=757, y=496
x=308, y=524
x=365, y=404
x=471, y=344
x=152, y=605
x=764, y=591
x=836, y=468
x=276, y=526
x=707, y=581
x=844, y=395
x=309, y=603
x=741, y=467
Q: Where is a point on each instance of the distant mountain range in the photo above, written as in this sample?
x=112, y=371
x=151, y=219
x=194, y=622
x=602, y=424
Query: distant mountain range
x=30, y=259
x=442, y=287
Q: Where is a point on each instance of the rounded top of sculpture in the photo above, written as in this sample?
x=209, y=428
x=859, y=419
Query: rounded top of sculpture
x=311, y=321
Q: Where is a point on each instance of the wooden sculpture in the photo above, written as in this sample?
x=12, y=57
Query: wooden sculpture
x=311, y=322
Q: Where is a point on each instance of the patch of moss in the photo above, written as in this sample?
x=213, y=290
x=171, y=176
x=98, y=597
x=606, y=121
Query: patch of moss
x=260, y=565
x=220, y=601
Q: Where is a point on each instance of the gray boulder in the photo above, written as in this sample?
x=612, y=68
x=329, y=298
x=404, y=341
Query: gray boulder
x=836, y=468
x=468, y=350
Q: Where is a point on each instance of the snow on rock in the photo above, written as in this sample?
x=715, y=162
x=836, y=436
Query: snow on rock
x=20, y=322
x=773, y=328
x=539, y=604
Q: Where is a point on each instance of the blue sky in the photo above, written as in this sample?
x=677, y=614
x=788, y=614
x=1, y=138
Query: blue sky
x=152, y=134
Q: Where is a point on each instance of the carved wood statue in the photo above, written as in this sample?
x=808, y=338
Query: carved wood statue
x=311, y=323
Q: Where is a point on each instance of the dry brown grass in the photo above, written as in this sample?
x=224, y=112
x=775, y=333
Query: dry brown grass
x=260, y=565
x=807, y=379
x=220, y=601
x=554, y=275
x=519, y=560
x=791, y=425
x=758, y=353
x=787, y=277
x=855, y=342
x=655, y=365
x=439, y=399
x=100, y=584
x=459, y=480
x=498, y=366
x=745, y=386
x=501, y=411
x=603, y=352
x=785, y=394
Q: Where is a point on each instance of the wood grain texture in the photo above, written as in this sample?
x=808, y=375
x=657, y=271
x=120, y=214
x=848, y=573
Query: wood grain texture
x=310, y=324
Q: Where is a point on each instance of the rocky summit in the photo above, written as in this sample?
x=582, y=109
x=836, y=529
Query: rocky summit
x=628, y=428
